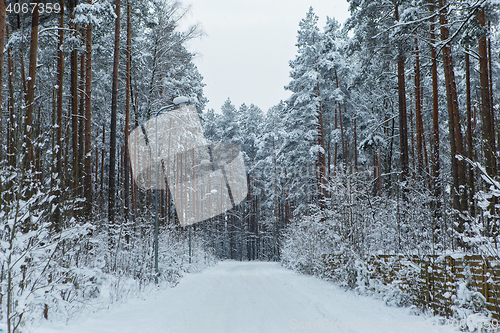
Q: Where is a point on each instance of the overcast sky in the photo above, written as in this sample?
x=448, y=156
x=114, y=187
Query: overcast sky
x=247, y=45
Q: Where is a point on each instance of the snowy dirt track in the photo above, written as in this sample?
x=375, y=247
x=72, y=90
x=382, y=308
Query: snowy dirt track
x=250, y=297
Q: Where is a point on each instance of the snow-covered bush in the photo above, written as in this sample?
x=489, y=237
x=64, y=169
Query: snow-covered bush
x=396, y=280
x=60, y=275
x=482, y=232
x=307, y=240
x=346, y=241
x=468, y=301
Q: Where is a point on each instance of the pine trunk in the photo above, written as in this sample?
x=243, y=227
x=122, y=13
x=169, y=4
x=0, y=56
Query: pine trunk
x=342, y=142
x=12, y=132
x=418, y=114
x=355, y=145
x=127, y=117
x=21, y=59
x=30, y=92
x=490, y=79
x=436, y=185
x=459, y=190
x=337, y=111
x=488, y=134
x=3, y=16
x=458, y=171
x=470, y=148
x=403, y=122
x=102, y=164
x=81, y=118
x=112, y=137
x=74, y=100
x=88, y=123
x=59, y=110
x=321, y=163
x=412, y=140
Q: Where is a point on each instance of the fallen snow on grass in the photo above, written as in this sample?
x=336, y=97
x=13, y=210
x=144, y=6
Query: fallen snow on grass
x=250, y=297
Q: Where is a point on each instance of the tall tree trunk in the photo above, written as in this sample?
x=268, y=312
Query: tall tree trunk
x=412, y=140
x=426, y=160
x=102, y=164
x=458, y=168
x=59, y=110
x=88, y=122
x=12, y=118
x=30, y=96
x=37, y=151
x=486, y=110
x=488, y=134
x=74, y=100
x=127, y=117
x=81, y=121
x=321, y=163
x=470, y=148
x=337, y=111
x=403, y=122
x=3, y=16
x=436, y=184
x=355, y=145
x=336, y=149
x=21, y=59
x=112, y=138
x=342, y=141
x=418, y=114
x=492, y=108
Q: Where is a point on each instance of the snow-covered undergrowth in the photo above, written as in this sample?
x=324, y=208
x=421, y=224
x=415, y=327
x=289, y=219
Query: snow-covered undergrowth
x=355, y=225
x=310, y=240
x=363, y=275
x=86, y=267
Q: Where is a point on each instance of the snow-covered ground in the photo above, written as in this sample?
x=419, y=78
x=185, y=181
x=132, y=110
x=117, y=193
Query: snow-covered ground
x=252, y=297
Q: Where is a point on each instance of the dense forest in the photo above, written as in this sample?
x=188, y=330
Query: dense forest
x=388, y=144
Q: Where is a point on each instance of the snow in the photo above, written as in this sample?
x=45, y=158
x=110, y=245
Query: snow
x=180, y=100
x=250, y=297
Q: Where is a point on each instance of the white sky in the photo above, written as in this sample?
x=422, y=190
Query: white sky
x=247, y=45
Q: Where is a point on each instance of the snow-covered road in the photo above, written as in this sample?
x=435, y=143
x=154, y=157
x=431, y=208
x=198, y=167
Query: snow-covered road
x=252, y=297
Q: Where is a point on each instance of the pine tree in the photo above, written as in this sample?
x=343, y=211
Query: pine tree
x=127, y=115
x=305, y=112
x=74, y=99
x=87, y=157
x=403, y=125
x=455, y=132
x=59, y=124
x=3, y=16
x=30, y=94
x=486, y=108
x=435, y=117
x=114, y=106
x=230, y=131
